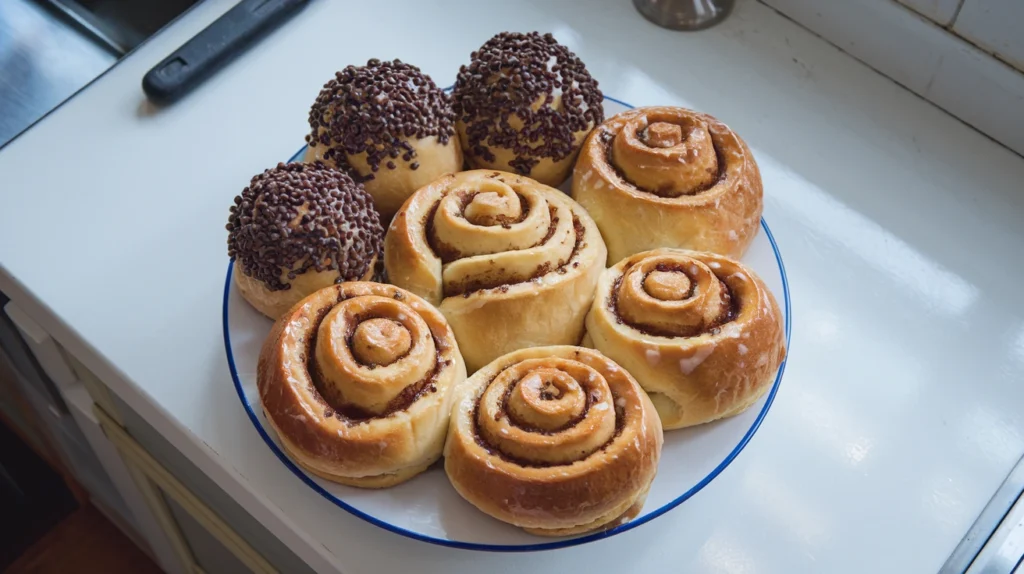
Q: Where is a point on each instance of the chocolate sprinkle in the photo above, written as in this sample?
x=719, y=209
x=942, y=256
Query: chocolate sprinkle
x=377, y=109
x=506, y=77
x=337, y=229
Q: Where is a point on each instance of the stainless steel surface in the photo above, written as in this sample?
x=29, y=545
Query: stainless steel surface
x=43, y=61
x=114, y=40
x=685, y=14
x=991, y=519
x=121, y=25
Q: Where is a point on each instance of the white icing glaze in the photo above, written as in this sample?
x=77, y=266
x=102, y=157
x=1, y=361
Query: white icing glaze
x=653, y=356
x=731, y=331
x=743, y=349
x=690, y=364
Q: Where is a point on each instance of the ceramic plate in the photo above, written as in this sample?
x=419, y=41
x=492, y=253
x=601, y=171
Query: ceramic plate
x=427, y=508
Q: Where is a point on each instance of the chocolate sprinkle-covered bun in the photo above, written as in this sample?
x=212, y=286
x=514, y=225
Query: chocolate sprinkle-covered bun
x=388, y=126
x=524, y=104
x=298, y=228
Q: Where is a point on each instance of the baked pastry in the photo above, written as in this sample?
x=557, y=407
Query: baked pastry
x=388, y=126
x=555, y=440
x=298, y=228
x=524, y=104
x=669, y=177
x=701, y=332
x=510, y=262
x=357, y=381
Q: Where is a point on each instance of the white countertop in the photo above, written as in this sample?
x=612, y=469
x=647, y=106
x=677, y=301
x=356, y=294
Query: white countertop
x=901, y=408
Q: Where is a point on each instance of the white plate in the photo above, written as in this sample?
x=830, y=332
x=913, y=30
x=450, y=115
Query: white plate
x=427, y=508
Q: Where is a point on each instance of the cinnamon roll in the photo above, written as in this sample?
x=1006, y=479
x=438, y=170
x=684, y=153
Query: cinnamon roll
x=388, y=126
x=510, y=262
x=555, y=440
x=524, y=104
x=357, y=380
x=669, y=177
x=701, y=332
x=298, y=228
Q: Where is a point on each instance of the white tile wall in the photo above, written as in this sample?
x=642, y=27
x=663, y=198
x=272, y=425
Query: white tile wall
x=939, y=11
x=996, y=26
x=932, y=60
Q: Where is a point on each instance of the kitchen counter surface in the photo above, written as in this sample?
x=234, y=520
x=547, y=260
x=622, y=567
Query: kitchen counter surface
x=900, y=411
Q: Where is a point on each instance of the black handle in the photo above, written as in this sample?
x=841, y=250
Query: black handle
x=215, y=46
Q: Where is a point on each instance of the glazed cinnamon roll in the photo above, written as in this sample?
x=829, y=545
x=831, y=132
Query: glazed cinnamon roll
x=701, y=332
x=357, y=379
x=555, y=440
x=669, y=177
x=510, y=262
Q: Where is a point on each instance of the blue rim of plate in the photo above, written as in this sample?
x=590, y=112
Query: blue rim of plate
x=525, y=547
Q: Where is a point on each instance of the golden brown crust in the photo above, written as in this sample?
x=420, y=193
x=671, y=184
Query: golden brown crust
x=649, y=185
x=391, y=187
x=583, y=462
x=510, y=262
x=546, y=171
x=364, y=425
x=705, y=352
x=273, y=304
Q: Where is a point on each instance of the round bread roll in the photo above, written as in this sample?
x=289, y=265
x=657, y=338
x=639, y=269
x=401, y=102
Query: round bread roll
x=357, y=381
x=701, y=332
x=388, y=126
x=669, y=177
x=298, y=228
x=524, y=104
x=510, y=262
x=555, y=440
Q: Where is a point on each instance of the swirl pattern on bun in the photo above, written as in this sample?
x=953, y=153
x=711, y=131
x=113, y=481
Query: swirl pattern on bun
x=510, y=262
x=357, y=382
x=556, y=440
x=669, y=177
x=701, y=332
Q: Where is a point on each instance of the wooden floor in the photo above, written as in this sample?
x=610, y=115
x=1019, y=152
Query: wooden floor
x=84, y=542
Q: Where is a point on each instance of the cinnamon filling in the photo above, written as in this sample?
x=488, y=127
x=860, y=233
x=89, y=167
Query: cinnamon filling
x=620, y=424
x=467, y=288
x=335, y=406
x=662, y=135
x=489, y=208
x=448, y=253
x=732, y=305
x=519, y=423
x=389, y=344
x=606, y=138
